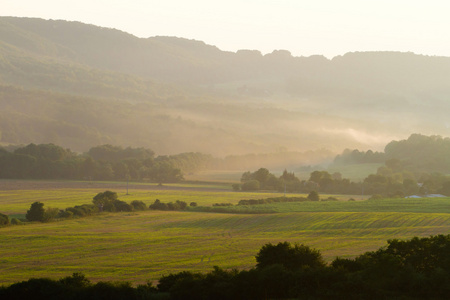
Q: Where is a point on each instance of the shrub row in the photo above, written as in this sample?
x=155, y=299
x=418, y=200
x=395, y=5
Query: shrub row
x=272, y=200
x=178, y=205
x=233, y=209
x=4, y=220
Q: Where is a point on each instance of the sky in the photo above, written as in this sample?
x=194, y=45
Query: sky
x=303, y=27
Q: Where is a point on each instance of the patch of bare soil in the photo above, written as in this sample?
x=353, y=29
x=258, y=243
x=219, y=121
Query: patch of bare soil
x=46, y=185
x=49, y=184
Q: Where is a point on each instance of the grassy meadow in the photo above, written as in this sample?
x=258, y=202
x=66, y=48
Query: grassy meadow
x=18, y=201
x=142, y=246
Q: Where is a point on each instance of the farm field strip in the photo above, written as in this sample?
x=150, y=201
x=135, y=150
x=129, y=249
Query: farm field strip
x=421, y=205
x=19, y=201
x=143, y=246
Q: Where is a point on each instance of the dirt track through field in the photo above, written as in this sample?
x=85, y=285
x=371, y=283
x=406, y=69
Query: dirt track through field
x=6, y=185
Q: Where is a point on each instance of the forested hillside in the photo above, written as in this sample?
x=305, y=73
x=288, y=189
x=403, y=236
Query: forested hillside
x=79, y=86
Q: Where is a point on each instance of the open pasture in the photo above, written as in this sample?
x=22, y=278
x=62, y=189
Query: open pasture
x=141, y=246
x=17, y=196
x=418, y=205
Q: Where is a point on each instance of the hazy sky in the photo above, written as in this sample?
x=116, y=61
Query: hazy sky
x=328, y=27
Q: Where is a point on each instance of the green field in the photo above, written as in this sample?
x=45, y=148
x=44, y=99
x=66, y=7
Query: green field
x=142, y=246
x=18, y=201
x=417, y=205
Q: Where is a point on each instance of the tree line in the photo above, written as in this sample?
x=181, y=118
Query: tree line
x=359, y=157
x=418, y=268
x=105, y=162
x=106, y=201
x=391, y=180
x=416, y=165
x=417, y=154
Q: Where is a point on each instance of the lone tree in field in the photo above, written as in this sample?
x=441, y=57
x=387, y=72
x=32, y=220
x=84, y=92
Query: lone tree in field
x=105, y=201
x=36, y=212
x=313, y=196
x=108, y=201
x=291, y=257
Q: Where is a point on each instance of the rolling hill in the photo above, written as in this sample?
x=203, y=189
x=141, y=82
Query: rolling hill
x=80, y=85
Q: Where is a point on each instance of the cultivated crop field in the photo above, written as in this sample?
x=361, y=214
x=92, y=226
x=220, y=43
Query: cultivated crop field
x=142, y=246
x=17, y=196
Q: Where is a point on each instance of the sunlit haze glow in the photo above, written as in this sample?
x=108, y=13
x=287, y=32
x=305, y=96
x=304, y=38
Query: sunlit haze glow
x=305, y=28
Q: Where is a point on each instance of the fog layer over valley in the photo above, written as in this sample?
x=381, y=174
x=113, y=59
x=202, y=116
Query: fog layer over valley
x=79, y=85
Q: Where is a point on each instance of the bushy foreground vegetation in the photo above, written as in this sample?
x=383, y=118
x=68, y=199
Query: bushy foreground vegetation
x=418, y=268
